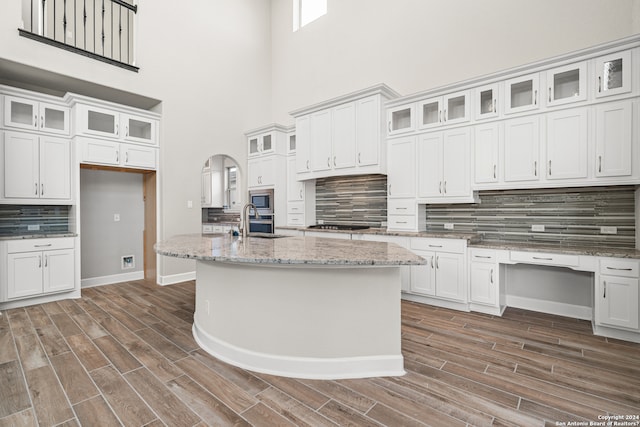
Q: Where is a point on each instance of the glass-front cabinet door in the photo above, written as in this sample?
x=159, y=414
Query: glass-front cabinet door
x=99, y=121
x=430, y=112
x=456, y=107
x=253, y=146
x=139, y=129
x=267, y=143
x=613, y=74
x=400, y=119
x=521, y=93
x=486, y=101
x=567, y=84
x=25, y=113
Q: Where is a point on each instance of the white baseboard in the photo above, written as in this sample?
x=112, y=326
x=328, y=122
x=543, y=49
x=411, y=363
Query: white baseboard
x=550, y=307
x=316, y=368
x=114, y=278
x=176, y=278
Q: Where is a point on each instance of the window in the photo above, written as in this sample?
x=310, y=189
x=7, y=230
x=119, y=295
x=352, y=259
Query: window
x=305, y=11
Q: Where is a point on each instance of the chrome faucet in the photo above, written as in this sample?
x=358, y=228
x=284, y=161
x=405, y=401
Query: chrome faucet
x=245, y=218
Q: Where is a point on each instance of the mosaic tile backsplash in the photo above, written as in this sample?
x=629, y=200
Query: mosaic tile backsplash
x=16, y=220
x=360, y=199
x=570, y=216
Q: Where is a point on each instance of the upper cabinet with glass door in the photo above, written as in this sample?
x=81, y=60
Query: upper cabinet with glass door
x=120, y=124
x=486, y=101
x=444, y=110
x=28, y=114
x=567, y=84
x=613, y=74
x=138, y=129
x=521, y=94
x=271, y=139
x=400, y=119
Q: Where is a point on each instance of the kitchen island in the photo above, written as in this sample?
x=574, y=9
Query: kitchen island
x=302, y=307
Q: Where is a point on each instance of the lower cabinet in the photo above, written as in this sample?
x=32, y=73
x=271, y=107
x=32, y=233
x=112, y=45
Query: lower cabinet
x=485, y=293
x=616, y=299
x=444, y=274
x=37, y=267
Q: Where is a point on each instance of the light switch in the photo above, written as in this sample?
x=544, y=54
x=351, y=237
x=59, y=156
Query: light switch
x=189, y=204
x=116, y=217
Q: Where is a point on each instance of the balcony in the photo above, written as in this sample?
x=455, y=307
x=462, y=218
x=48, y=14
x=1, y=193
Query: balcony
x=100, y=29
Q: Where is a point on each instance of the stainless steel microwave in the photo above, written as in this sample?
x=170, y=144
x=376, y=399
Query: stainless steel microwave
x=263, y=200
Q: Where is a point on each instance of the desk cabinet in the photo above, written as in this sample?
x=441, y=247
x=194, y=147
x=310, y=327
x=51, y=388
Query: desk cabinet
x=617, y=294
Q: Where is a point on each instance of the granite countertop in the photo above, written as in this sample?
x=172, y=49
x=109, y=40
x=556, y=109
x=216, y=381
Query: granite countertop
x=286, y=250
x=475, y=241
x=37, y=236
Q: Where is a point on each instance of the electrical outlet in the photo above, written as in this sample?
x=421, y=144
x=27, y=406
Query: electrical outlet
x=608, y=230
x=116, y=217
x=537, y=227
x=448, y=226
x=33, y=227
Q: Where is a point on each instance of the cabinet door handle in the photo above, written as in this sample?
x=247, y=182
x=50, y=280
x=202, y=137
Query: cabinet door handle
x=535, y=168
x=126, y=130
x=435, y=246
x=432, y=262
x=401, y=209
x=543, y=258
x=39, y=261
x=619, y=269
x=599, y=84
x=389, y=126
x=445, y=187
x=42, y=246
x=307, y=164
x=389, y=189
x=42, y=189
x=482, y=256
x=401, y=222
x=491, y=278
x=334, y=161
x=126, y=157
x=444, y=116
x=535, y=97
x=46, y=260
x=549, y=94
x=300, y=194
x=549, y=167
x=495, y=105
x=36, y=193
x=117, y=156
x=599, y=164
x=440, y=116
x=41, y=121
x=604, y=294
x=117, y=129
x=440, y=187
x=359, y=161
x=35, y=121
x=437, y=266
x=328, y=161
x=494, y=171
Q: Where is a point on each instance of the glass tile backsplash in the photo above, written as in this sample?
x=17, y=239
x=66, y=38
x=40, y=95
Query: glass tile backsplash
x=570, y=216
x=16, y=220
x=360, y=199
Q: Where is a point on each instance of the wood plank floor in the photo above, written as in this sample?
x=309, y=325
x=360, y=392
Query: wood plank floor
x=124, y=355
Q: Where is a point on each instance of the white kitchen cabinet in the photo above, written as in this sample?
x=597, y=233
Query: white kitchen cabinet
x=138, y=129
x=303, y=144
x=401, y=168
x=617, y=301
x=400, y=119
x=444, y=274
x=613, y=74
x=113, y=123
x=343, y=136
x=39, y=266
x=486, y=153
x=32, y=115
x=567, y=84
x=484, y=281
x=614, y=151
x=36, y=167
x=111, y=153
x=567, y=144
x=321, y=144
x=486, y=101
x=521, y=94
x=521, y=149
x=444, y=110
x=295, y=188
x=262, y=172
x=443, y=165
x=368, y=129
x=261, y=144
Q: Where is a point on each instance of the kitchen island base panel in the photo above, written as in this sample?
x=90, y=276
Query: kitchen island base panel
x=300, y=321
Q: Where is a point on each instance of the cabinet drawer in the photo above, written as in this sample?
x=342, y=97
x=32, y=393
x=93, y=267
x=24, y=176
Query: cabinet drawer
x=295, y=219
x=295, y=207
x=483, y=255
x=30, y=245
x=455, y=246
x=401, y=222
x=619, y=267
x=545, y=258
x=401, y=206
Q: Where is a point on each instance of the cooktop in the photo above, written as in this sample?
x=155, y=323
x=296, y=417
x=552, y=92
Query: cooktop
x=338, y=227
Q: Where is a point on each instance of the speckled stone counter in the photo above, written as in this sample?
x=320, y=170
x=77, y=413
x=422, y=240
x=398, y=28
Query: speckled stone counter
x=558, y=249
x=286, y=250
x=37, y=236
x=303, y=307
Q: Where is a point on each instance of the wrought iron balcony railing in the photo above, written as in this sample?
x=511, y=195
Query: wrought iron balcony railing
x=100, y=29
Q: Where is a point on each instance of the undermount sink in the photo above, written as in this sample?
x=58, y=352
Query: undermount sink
x=266, y=235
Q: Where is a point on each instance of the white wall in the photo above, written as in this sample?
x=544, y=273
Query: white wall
x=208, y=61
x=415, y=45
x=104, y=241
